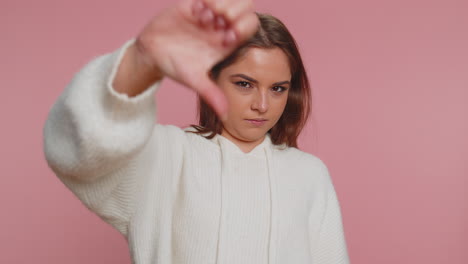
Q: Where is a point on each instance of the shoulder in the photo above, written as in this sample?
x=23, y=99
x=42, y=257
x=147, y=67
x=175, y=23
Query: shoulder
x=175, y=135
x=198, y=140
x=173, y=141
x=168, y=132
x=292, y=154
x=301, y=162
x=167, y=139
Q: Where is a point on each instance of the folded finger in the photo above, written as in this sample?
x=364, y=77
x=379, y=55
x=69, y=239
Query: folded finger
x=245, y=27
x=230, y=10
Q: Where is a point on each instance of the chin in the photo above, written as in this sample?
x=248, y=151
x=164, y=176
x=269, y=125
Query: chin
x=252, y=135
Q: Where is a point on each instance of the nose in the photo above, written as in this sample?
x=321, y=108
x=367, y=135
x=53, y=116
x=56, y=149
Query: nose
x=260, y=102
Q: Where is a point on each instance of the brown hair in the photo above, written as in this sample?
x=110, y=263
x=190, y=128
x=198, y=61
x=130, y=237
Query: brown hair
x=271, y=33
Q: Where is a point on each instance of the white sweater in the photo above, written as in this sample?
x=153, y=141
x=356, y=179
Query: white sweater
x=178, y=197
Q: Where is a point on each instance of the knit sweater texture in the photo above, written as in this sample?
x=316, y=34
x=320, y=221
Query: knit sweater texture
x=180, y=198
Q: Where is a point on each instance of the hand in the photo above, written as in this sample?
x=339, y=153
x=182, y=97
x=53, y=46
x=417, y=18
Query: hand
x=185, y=41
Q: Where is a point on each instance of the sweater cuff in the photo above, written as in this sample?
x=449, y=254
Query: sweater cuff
x=121, y=101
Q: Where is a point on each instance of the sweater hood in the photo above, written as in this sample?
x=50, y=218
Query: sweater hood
x=228, y=150
x=229, y=146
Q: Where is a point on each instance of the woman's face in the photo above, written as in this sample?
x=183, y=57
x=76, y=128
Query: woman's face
x=256, y=87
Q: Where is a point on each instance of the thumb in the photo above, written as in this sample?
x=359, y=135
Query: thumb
x=213, y=95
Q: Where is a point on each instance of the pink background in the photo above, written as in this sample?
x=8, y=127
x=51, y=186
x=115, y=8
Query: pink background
x=390, y=86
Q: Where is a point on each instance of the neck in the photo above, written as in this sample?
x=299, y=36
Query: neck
x=245, y=145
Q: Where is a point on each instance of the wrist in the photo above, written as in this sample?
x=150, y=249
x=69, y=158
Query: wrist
x=135, y=74
x=143, y=63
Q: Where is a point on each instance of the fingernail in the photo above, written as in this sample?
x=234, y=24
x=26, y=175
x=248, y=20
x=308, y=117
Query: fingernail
x=207, y=16
x=230, y=37
x=198, y=7
x=220, y=23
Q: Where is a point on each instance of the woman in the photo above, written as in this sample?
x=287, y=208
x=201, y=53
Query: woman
x=233, y=189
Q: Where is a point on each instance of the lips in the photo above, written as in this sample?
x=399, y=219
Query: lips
x=257, y=121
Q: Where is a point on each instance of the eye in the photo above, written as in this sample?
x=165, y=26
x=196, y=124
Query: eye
x=243, y=84
x=279, y=89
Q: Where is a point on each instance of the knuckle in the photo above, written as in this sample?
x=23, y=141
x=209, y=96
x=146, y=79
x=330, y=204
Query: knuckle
x=218, y=6
x=248, y=27
x=241, y=9
x=230, y=14
x=251, y=6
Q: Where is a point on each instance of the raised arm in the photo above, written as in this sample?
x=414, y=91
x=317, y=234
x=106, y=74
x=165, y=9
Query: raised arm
x=100, y=134
x=135, y=74
x=91, y=128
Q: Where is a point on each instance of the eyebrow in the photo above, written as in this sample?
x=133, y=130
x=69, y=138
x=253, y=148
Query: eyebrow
x=255, y=81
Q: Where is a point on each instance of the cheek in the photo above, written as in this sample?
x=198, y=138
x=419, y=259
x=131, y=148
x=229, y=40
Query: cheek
x=237, y=103
x=281, y=104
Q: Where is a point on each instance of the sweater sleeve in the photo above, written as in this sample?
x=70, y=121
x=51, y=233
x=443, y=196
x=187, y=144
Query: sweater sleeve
x=327, y=238
x=98, y=142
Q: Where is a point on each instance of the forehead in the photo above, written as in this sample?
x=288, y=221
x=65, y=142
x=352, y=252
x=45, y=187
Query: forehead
x=262, y=64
